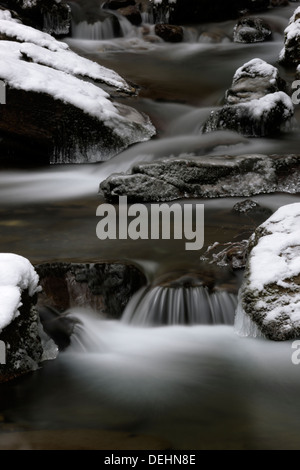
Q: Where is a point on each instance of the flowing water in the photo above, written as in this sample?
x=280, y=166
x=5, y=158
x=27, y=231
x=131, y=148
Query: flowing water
x=196, y=386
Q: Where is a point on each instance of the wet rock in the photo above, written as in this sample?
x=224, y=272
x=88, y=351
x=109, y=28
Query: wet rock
x=169, y=33
x=105, y=287
x=251, y=29
x=256, y=104
x=290, y=54
x=41, y=124
x=213, y=176
x=269, y=303
x=50, y=16
x=248, y=206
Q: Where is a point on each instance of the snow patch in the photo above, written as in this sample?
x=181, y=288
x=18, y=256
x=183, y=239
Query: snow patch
x=16, y=275
x=283, y=239
x=24, y=33
x=6, y=15
x=69, y=62
x=256, y=67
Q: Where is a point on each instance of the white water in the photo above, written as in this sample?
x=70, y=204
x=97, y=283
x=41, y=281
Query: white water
x=179, y=306
x=200, y=388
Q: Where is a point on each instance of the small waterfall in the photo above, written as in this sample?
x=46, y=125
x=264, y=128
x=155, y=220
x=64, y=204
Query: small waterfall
x=100, y=30
x=244, y=325
x=161, y=305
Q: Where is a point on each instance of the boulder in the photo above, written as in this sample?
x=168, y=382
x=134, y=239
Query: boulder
x=251, y=29
x=48, y=96
x=23, y=342
x=269, y=298
x=256, y=105
x=205, y=177
x=290, y=54
x=102, y=286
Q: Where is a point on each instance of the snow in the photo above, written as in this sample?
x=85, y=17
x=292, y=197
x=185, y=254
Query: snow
x=279, y=249
x=53, y=75
x=16, y=275
x=292, y=31
x=256, y=67
x=295, y=16
x=24, y=33
x=38, y=78
x=69, y=62
x=6, y=15
x=268, y=102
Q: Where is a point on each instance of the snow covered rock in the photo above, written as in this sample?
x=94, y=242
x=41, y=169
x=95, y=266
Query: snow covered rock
x=251, y=29
x=52, y=112
x=290, y=54
x=212, y=176
x=269, y=299
x=256, y=104
x=25, y=343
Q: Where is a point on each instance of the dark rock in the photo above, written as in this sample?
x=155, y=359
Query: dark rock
x=132, y=14
x=169, y=33
x=213, y=176
x=23, y=343
x=269, y=296
x=37, y=120
x=290, y=54
x=116, y=4
x=139, y=187
x=47, y=15
x=255, y=105
x=248, y=206
x=251, y=29
x=105, y=287
x=24, y=350
x=193, y=11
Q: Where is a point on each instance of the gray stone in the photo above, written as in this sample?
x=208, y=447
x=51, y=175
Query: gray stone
x=204, y=177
